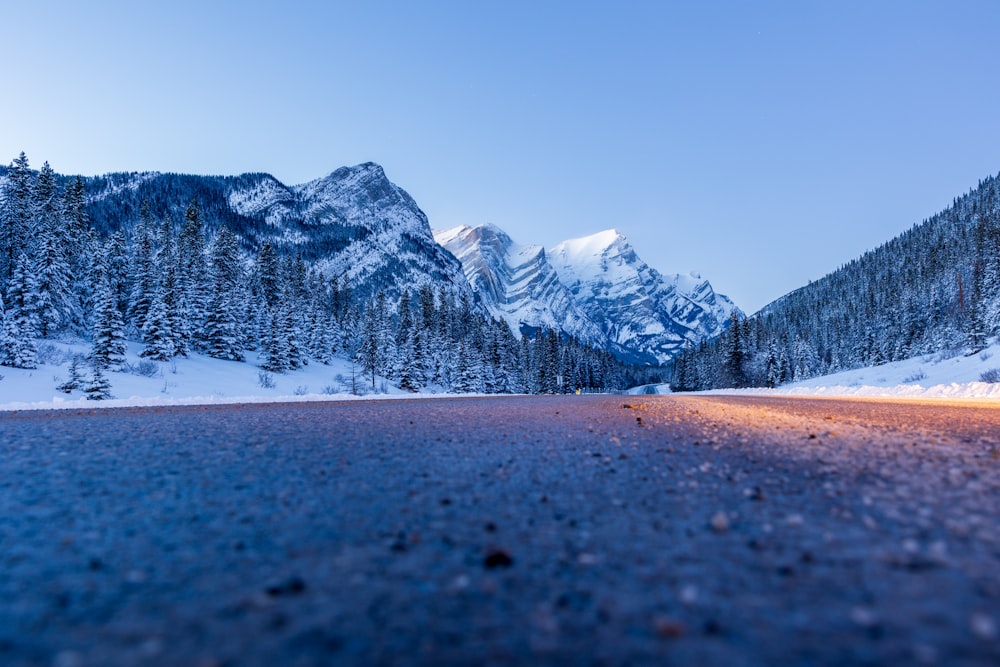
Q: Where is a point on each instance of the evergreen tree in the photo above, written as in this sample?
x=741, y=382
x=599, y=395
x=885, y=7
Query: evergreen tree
x=57, y=302
x=78, y=251
x=222, y=337
x=276, y=354
x=109, y=330
x=772, y=368
x=143, y=268
x=99, y=387
x=268, y=274
x=177, y=329
x=56, y=305
x=75, y=380
x=734, y=352
x=20, y=324
x=193, y=276
x=371, y=352
x=15, y=216
x=157, y=333
x=469, y=376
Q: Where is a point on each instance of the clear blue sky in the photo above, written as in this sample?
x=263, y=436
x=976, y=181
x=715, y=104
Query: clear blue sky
x=760, y=143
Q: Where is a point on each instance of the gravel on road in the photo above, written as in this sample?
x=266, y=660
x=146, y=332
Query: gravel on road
x=612, y=530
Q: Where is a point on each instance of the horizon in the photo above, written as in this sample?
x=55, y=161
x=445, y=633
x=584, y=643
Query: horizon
x=761, y=147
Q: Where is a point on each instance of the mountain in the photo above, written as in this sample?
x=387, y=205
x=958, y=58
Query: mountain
x=516, y=282
x=933, y=289
x=637, y=308
x=595, y=288
x=353, y=223
x=356, y=225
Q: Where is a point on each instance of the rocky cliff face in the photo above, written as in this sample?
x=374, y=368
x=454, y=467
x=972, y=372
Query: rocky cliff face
x=353, y=223
x=638, y=309
x=596, y=288
x=516, y=282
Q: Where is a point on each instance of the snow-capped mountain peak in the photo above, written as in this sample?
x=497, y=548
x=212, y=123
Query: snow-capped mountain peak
x=638, y=309
x=516, y=282
x=594, y=287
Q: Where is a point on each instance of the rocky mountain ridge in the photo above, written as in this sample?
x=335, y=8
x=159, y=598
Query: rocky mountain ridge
x=357, y=225
x=595, y=287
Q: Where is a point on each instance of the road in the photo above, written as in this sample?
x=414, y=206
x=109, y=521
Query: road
x=654, y=530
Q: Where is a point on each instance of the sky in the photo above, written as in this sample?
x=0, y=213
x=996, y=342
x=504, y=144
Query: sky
x=761, y=144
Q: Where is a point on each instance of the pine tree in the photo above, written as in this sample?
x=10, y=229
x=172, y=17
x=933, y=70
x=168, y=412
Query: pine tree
x=15, y=216
x=20, y=324
x=169, y=333
x=143, y=268
x=469, y=376
x=221, y=335
x=275, y=352
x=772, y=367
x=99, y=387
x=371, y=353
x=734, y=352
x=157, y=332
x=268, y=274
x=56, y=302
x=78, y=252
x=193, y=276
x=222, y=338
x=75, y=380
x=109, y=330
x=52, y=271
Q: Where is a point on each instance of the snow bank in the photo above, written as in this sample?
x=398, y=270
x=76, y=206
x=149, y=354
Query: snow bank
x=944, y=375
x=955, y=390
x=194, y=380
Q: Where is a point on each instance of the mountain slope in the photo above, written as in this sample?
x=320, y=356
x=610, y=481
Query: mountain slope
x=934, y=287
x=516, y=282
x=353, y=223
x=637, y=308
x=595, y=288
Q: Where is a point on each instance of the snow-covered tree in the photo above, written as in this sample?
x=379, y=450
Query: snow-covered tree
x=276, y=354
x=98, y=388
x=222, y=336
x=16, y=214
x=75, y=379
x=193, y=277
x=20, y=323
x=109, y=330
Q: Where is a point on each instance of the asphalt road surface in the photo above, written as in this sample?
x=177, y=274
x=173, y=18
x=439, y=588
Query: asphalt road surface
x=564, y=530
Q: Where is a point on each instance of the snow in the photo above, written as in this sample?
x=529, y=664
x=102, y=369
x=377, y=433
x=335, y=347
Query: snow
x=950, y=375
x=260, y=197
x=515, y=281
x=589, y=246
x=195, y=380
x=444, y=236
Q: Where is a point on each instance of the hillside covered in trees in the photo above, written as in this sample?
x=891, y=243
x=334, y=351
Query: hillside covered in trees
x=934, y=287
x=183, y=282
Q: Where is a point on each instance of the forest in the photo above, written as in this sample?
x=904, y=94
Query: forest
x=181, y=283
x=935, y=287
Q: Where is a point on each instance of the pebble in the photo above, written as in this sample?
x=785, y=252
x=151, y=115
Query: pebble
x=720, y=522
x=983, y=627
x=67, y=659
x=668, y=628
x=864, y=616
x=497, y=558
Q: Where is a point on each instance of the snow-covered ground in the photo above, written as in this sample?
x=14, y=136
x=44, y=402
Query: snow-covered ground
x=201, y=380
x=195, y=380
x=940, y=375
